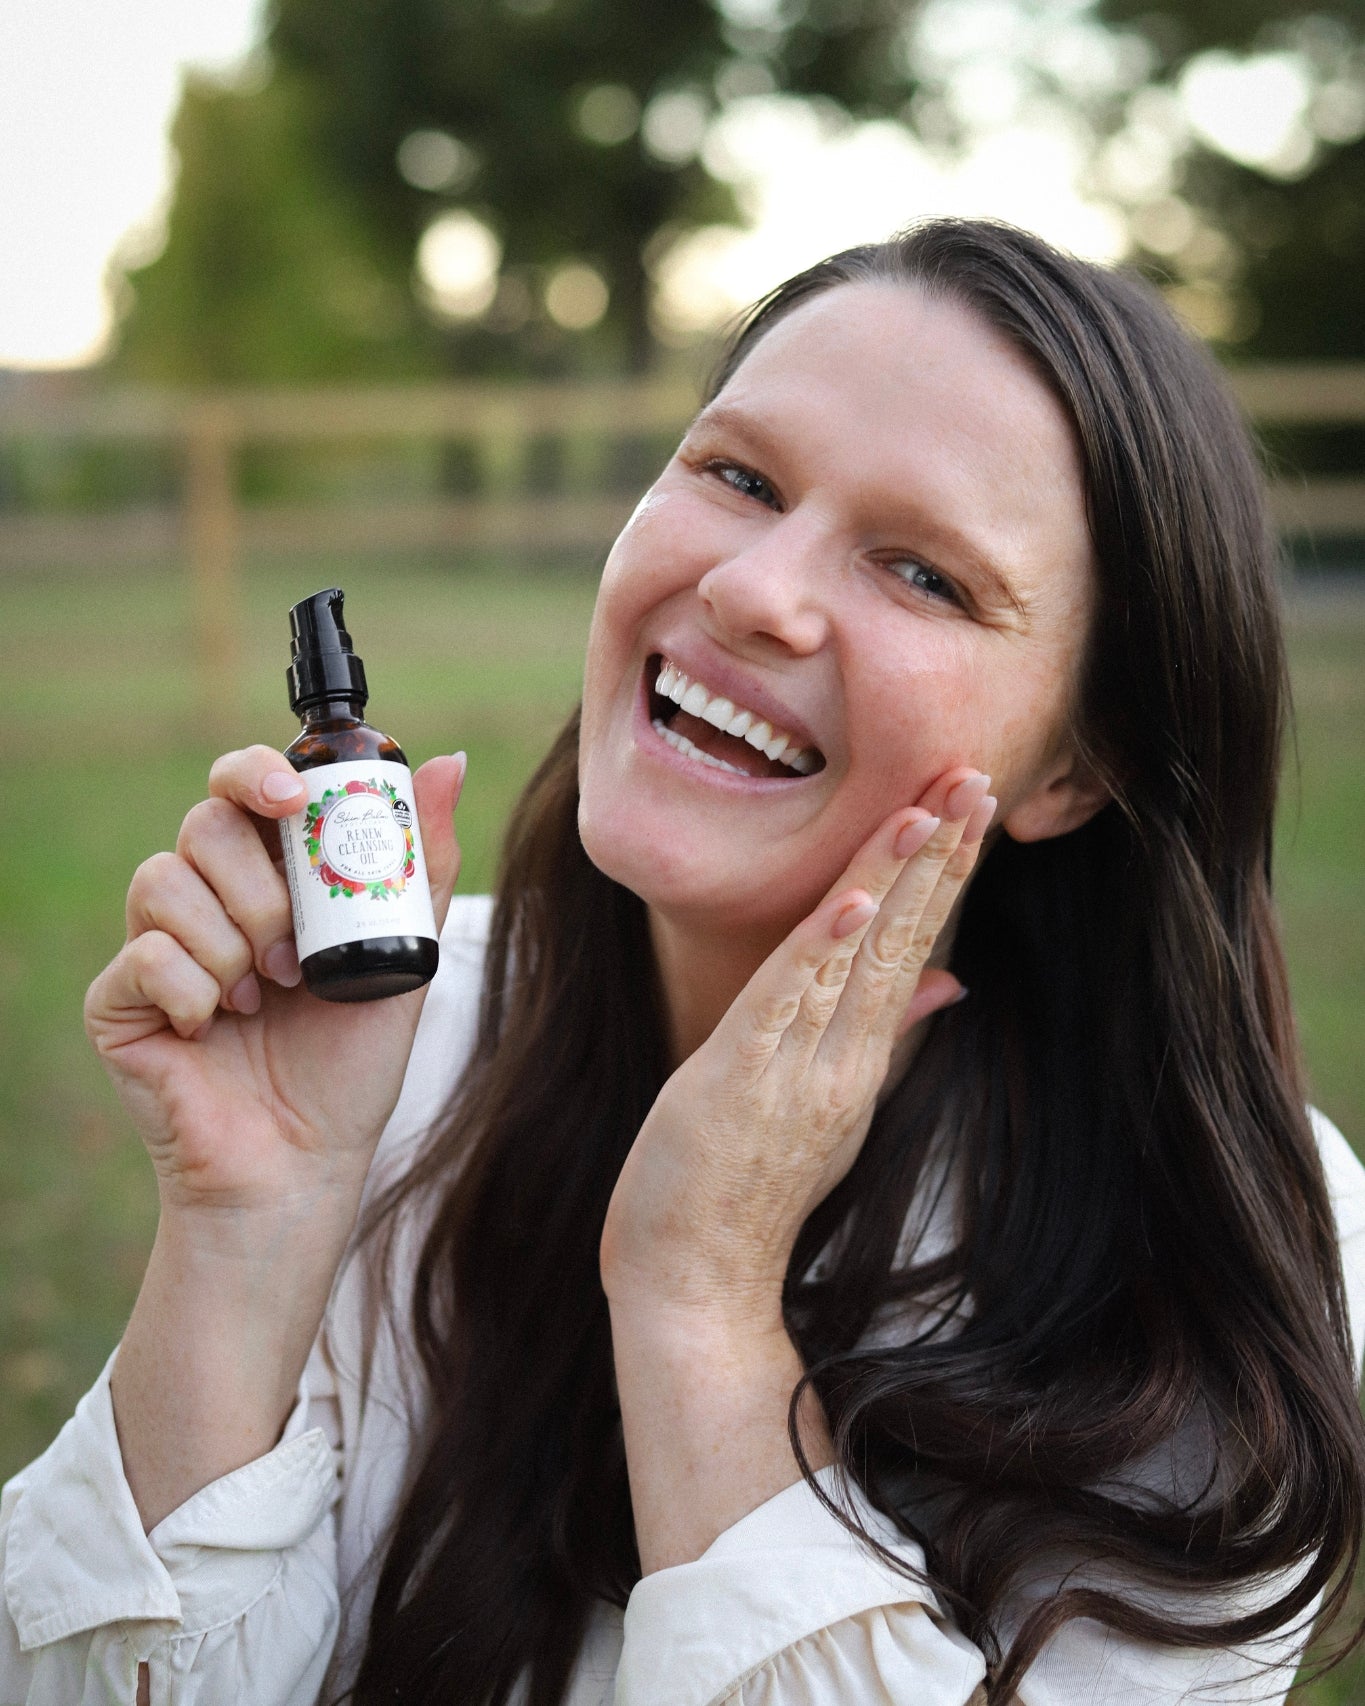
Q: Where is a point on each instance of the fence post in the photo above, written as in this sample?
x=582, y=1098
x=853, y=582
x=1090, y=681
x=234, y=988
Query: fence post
x=212, y=531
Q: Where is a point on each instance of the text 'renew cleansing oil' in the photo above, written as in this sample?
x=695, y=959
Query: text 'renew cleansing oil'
x=353, y=856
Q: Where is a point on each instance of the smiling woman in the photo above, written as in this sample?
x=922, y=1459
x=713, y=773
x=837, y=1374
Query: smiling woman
x=875, y=542
x=846, y=1225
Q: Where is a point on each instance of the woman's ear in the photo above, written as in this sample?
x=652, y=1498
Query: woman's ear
x=1069, y=795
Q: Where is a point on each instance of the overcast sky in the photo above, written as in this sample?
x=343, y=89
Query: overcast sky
x=87, y=88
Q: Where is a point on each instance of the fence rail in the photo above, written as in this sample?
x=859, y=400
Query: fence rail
x=211, y=528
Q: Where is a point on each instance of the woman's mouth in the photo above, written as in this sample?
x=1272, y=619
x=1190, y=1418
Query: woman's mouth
x=704, y=725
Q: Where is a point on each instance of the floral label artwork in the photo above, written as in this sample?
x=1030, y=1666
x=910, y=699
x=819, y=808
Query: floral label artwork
x=359, y=839
x=353, y=857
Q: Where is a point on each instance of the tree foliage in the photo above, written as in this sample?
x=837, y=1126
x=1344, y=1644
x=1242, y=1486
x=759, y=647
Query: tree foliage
x=558, y=105
x=270, y=269
x=573, y=130
x=1294, y=260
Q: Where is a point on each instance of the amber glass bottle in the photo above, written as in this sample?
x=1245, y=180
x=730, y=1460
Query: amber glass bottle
x=353, y=856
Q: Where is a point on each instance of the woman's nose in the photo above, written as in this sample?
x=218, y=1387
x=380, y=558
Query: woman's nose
x=776, y=586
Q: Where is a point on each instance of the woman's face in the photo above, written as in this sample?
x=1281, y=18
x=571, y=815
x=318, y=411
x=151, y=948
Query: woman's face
x=875, y=541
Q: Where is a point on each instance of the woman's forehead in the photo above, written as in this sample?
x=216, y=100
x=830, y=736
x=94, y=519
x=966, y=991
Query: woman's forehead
x=887, y=338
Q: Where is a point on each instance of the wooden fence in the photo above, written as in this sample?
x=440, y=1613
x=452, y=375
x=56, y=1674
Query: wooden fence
x=211, y=528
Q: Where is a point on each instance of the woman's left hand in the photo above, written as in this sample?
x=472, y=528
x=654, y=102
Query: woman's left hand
x=765, y=1118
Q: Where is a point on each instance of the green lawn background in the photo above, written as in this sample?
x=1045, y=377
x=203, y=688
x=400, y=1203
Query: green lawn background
x=105, y=746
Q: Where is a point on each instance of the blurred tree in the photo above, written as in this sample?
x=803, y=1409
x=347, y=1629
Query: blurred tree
x=1276, y=246
x=539, y=154
x=270, y=269
x=572, y=128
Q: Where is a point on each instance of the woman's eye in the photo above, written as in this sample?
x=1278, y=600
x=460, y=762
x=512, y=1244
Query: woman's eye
x=924, y=579
x=745, y=481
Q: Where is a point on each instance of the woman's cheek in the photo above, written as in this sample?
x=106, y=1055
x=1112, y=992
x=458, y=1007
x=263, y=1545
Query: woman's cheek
x=922, y=723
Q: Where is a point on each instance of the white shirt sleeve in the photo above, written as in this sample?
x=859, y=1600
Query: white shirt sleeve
x=232, y=1597
x=787, y=1608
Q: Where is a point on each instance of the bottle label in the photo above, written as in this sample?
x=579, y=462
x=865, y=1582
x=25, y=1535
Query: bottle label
x=353, y=857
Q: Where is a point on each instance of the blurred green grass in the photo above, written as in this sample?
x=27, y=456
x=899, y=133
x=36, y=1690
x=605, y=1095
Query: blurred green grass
x=106, y=745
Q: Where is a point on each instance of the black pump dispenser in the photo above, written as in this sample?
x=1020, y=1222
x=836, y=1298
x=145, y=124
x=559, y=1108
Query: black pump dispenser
x=322, y=665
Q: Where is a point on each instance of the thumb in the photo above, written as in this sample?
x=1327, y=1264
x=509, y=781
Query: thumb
x=436, y=788
x=935, y=990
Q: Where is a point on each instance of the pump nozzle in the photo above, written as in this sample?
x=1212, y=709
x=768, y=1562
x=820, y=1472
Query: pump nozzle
x=323, y=665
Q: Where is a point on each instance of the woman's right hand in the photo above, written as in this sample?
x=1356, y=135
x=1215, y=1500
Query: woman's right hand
x=250, y=1093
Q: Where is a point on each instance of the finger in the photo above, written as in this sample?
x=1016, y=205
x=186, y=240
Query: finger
x=964, y=794
x=150, y=984
x=914, y=977
x=979, y=821
x=759, y=1017
x=169, y=895
x=934, y=991
x=878, y=863
x=896, y=946
x=436, y=788
x=957, y=868
x=221, y=843
x=258, y=779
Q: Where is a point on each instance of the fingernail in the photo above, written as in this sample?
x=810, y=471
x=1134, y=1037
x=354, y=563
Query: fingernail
x=980, y=820
x=462, y=759
x=281, y=965
x=245, y=995
x=964, y=795
x=853, y=918
x=280, y=785
x=913, y=836
x=960, y=997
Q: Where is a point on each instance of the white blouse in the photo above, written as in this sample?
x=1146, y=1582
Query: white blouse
x=256, y=1591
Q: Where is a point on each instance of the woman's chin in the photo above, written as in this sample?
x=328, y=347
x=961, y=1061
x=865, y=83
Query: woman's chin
x=695, y=891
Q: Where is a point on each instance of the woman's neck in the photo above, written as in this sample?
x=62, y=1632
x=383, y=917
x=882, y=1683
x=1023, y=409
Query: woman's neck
x=700, y=974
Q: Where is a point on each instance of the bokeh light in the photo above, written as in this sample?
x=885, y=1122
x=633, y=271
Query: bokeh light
x=576, y=296
x=457, y=265
x=608, y=114
x=436, y=161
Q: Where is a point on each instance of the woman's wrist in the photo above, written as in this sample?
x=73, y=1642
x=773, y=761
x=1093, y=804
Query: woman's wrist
x=304, y=1223
x=705, y=1399
x=207, y=1370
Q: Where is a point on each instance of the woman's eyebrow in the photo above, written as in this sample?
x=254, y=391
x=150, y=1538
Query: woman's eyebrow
x=998, y=585
x=728, y=418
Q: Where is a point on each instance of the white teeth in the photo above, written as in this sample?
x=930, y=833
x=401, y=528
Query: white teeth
x=686, y=747
x=698, y=701
x=759, y=734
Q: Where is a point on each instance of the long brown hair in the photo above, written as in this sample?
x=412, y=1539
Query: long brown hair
x=1144, y=1233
